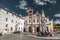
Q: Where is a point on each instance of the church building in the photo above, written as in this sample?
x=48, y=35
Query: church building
x=37, y=22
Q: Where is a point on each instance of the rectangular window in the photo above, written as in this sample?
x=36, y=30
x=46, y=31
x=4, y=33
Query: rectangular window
x=7, y=12
x=30, y=14
x=12, y=20
x=12, y=14
x=16, y=21
x=6, y=29
x=11, y=28
x=37, y=20
x=6, y=19
x=29, y=21
x=34, y=20
x=6, y=25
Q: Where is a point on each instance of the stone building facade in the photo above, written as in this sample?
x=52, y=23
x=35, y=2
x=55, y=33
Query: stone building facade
x=35, y=23
x=8, y=21
x=21, y=24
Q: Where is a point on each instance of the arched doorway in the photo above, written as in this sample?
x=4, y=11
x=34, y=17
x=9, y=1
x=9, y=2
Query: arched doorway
x=24, y=29
x=38, y=29
x=30, y=29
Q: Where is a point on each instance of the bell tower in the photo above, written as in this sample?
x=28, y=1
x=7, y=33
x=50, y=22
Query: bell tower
x=30, y=12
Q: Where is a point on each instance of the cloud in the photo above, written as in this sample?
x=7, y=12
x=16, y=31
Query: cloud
x=51, y=1
x=57, y=15
x=22, y=5
x=44, y=2
x=39, y=2
x=57, y=21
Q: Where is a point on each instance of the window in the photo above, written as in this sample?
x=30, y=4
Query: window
x=6, y=19
x=37, y=20
x=29, y=21
x=30, y=14
x=7, y=12
x=6, y=29
x=11, y=28
x=34, y=20
x=45, y=20
x=42, y=21
x=6, y=25
x=30, y=11
x=16, y=21
x=12, y=14
x=12, y=20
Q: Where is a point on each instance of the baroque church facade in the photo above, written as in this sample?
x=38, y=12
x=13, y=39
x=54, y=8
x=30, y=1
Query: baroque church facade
x=37, y=23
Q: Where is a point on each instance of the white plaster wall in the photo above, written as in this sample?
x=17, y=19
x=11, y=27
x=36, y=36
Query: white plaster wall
x=3, y=22
x=21, y=24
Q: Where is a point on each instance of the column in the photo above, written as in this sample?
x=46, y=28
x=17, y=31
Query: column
x=33, y=29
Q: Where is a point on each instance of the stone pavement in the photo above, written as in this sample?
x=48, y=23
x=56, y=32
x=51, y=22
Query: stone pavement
x=24, y=36
x=56, y=36
x=17, y=37
x=45, y=37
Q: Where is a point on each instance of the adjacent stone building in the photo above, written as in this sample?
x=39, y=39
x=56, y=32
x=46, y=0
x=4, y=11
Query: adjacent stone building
x=8, y=21
x=21, y=24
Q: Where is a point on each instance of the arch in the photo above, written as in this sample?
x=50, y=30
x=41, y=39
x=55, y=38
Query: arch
x=38, y=29
x=30, y=29
x=24, y=29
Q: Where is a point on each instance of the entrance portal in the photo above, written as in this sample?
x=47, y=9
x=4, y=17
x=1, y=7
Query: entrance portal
x=30, y=29
x=38, y=29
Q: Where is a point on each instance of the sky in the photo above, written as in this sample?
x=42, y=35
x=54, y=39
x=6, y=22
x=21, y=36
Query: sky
x=51, y=7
